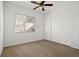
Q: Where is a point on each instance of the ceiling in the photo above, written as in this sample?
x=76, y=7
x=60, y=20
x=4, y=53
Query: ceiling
x=30, y=5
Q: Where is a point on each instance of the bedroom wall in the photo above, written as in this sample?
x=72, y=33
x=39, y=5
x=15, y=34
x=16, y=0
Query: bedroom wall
x=60, y=23
x=1, y=27
x=75, y=24
x=12, y=38
x=47, y=25
x=64, y=23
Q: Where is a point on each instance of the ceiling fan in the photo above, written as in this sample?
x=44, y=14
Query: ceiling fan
x=41, y=4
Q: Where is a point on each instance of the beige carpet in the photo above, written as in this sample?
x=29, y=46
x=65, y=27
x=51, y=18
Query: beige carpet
x=41, y=48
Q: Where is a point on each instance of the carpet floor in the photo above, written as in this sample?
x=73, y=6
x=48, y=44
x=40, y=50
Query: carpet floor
x=41, y=48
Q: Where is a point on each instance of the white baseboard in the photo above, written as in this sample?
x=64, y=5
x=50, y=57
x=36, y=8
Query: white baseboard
x=75, y=47
x=65, y=44
x=1, y=51
x=22, y=42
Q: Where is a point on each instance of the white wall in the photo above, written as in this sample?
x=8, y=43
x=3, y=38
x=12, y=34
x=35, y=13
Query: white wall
x=47, y=25
x=12, y=38
x=1, y=27
x=75, y=24
x=60, y=23
x=64, y=23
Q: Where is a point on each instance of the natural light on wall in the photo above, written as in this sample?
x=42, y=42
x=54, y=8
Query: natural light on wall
x=25, y=23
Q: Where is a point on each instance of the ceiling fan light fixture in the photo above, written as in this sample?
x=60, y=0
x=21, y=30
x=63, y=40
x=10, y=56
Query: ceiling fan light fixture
x=41, y=4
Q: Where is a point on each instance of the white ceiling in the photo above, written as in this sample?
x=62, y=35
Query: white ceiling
x=30, y=5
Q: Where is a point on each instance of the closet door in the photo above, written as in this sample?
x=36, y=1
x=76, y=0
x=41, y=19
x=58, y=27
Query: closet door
x=1, y=27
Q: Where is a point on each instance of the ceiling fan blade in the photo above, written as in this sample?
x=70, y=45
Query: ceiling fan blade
x=35, y=8
x=48, y=4
x=34, y=2
x=42, y=2
x=43, y=9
